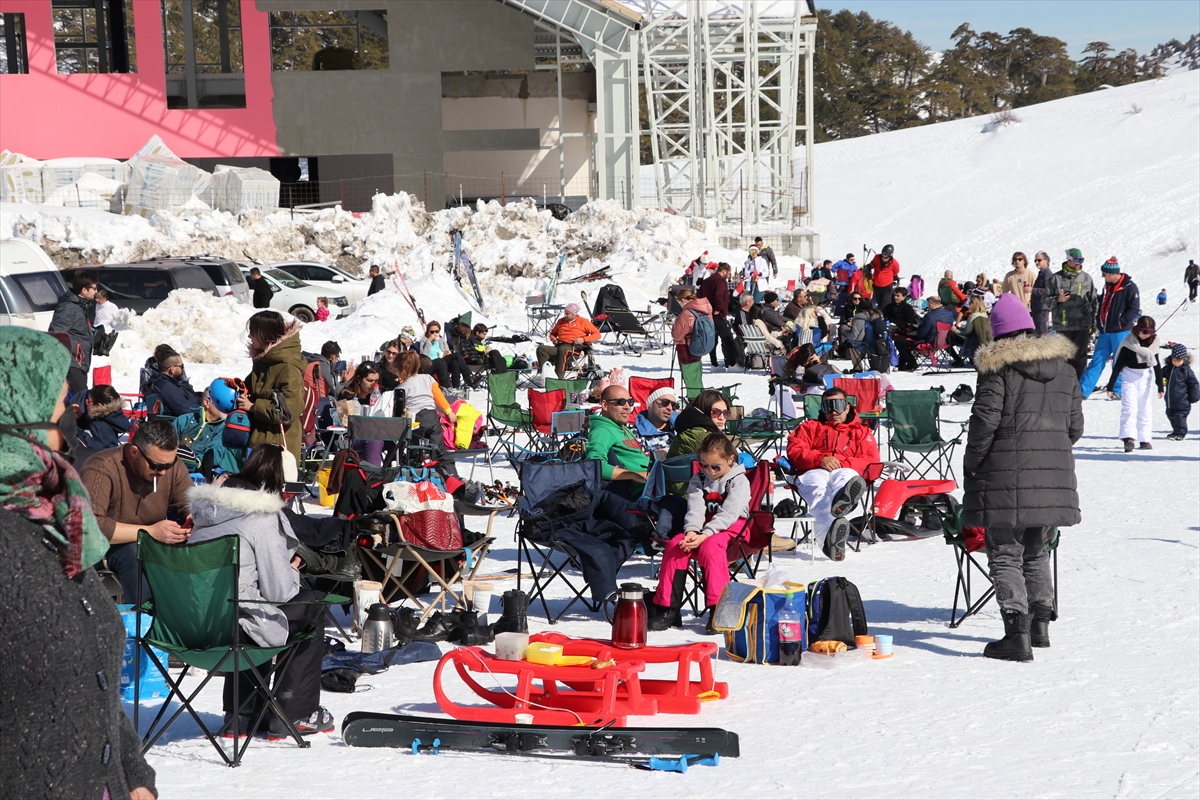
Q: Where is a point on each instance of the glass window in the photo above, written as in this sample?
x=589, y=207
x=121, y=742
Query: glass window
x=94, y=36
x=41, y=289
x=123, y=284
x=193, y=278
x=285, y=279
x=14, y=58
x=233, y=275
x=321, y=274
x=203, y=54
x=307, y=41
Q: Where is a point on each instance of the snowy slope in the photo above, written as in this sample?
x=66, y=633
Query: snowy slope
x=1082, y=172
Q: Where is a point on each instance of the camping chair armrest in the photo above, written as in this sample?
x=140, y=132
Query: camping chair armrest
x=325, y=601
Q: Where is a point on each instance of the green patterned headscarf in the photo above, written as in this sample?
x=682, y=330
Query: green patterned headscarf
x=35, y=482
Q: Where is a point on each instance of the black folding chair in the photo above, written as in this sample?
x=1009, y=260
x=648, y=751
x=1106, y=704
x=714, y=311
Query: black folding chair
x=537, y=543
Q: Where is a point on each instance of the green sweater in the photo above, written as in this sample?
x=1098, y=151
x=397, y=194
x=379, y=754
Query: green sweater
x=606, y=436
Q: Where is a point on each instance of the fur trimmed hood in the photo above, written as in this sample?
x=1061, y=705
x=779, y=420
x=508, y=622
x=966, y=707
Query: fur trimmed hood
x=100, y=411
x=293, y=329
x=1003, y=353
x=218, y=503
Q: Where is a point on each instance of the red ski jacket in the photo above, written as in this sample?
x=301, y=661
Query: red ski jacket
x=852, y=443
x=882, y=276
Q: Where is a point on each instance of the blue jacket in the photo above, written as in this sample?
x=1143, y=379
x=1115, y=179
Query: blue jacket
x=651, y=437
x=200, y=435
x=178, y=396
x=1181, y=386
x=102, y=427
x=927, y=332
x=1120, y=306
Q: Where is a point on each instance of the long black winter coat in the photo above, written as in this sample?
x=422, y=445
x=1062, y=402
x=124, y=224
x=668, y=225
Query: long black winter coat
x=64, y=733
x=1180, y=385
x=1018, y=465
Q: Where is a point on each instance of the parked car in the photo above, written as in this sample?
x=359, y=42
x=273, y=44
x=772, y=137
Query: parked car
x=30, y=285
x=327, y=277
x=143, y=285
x=227, y=275
x=298, y=298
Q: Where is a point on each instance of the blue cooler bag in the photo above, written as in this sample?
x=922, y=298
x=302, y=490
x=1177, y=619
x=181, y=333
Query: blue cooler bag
x=153, y=685
x=749, y=616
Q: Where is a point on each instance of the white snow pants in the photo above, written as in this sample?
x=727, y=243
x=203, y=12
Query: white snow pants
x=1137, y=403
x=818, y=488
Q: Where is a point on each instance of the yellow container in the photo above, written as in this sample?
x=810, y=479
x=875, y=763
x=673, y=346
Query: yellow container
x=326, y=499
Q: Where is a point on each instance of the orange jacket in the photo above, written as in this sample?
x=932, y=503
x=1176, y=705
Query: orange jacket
x=577, y=328
x=852, y=443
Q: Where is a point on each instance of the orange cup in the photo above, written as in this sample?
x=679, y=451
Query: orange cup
x=865, y=642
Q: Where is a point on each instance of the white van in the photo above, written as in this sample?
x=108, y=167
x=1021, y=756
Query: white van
x=30, y=285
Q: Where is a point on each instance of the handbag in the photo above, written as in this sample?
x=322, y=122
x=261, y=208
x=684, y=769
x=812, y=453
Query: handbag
x=749, y=616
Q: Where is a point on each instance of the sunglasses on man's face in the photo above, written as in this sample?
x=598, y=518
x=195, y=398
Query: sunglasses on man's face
x=668, y=404
x=621, y=401
x=834, y=405
x=154, y=465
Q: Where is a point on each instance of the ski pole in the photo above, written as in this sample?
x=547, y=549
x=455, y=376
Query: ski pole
x=1173, y=313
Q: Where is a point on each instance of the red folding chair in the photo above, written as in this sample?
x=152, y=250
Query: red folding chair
x=936, y=353
x=641, y=388
x=543, y=406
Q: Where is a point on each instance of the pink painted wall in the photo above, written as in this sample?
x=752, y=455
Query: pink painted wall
x=47, y=115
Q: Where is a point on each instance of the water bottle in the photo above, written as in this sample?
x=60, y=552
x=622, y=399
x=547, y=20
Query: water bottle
x=791, y=639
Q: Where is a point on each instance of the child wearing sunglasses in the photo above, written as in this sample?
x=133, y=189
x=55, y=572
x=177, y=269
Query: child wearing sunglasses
x=718, y=503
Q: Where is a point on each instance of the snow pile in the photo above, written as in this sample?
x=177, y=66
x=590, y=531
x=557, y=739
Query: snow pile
x=202, y=328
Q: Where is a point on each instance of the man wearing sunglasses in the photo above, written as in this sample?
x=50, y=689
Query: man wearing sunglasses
x=615, y=445
x=1070, y=298
x=655, y=426
x=134, y=487
x=1037, y=303
x=830, y=454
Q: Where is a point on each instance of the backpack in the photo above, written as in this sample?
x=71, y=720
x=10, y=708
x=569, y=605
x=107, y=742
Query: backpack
x=237, y=431
x=835, y=611
x=704, y=335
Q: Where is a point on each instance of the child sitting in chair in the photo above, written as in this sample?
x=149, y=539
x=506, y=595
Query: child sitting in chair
x=718, y=504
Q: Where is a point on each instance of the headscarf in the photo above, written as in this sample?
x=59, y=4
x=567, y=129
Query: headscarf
x=35, y=482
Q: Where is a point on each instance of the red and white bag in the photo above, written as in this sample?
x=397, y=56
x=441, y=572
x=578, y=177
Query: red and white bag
x=426, y=514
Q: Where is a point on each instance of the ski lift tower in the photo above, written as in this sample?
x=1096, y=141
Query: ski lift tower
x=722, y=83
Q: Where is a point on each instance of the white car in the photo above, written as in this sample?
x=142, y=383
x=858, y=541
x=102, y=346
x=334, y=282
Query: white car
x=298, y=298
x=30, y=285
x=326, y=277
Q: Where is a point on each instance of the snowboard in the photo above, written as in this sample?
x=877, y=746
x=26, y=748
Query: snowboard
x=418, y=734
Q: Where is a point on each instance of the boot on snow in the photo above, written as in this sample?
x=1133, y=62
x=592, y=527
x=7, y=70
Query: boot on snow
x=1039, y=625
x=1128, y=445
x=514, y=617
x=1015, y=644
x=663, y=617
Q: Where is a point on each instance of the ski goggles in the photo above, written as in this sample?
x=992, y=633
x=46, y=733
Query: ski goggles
x=834, y=405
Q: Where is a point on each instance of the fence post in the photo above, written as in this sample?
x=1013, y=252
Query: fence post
x=342, y=193
x=501, y=187
x=426, y=190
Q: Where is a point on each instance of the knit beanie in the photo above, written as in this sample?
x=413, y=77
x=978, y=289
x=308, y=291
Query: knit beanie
x=1111, y=267
x=1009, y=316
x=1179, y=351
x=659, y=393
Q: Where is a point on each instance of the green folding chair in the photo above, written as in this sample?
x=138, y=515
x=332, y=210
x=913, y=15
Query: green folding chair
x=915, y=438
x=570, y=386
x=196, y=611
x=505, y=416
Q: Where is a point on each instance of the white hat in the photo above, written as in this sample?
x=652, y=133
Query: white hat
x=665, y=391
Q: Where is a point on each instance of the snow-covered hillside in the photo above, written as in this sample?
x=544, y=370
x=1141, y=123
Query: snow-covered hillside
x=1114, y=172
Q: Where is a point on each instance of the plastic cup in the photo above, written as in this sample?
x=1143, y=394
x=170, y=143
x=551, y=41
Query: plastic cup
x=865, y=642
x=524, y=719
x=883, y=645
x=481, y=599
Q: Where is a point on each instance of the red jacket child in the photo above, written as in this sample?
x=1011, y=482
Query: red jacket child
x=851, y=442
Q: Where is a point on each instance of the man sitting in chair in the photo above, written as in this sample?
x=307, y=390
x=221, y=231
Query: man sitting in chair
x=655, y=426
x=611, y=441
x=829, y=454
x=570, y=332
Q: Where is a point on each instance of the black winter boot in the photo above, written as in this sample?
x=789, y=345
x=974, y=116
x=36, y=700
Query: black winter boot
x=1039, y=625
x=1015, y=644
x=513, y=619
x=663, y=617
x=709, y=630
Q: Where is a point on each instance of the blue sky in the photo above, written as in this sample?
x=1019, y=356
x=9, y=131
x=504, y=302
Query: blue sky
x=1140, y=24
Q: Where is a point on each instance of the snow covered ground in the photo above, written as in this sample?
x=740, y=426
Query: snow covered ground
x=1112, y=709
